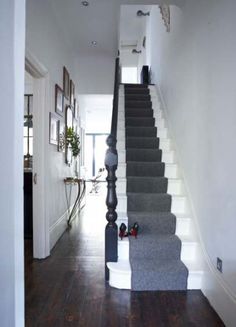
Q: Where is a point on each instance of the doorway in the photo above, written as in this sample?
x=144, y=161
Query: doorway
x=34, y=158
x=28, y=161
x=129, y=75
x=96, y=147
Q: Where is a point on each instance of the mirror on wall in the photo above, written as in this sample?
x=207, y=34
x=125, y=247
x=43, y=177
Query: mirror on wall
x=69, y=124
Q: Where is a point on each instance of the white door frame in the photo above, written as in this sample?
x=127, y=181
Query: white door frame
x=41, y=241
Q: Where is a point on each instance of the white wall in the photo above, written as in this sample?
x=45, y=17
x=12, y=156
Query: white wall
x=96, y=73
x=195, y=67
x=12, y=32
x=45, y=42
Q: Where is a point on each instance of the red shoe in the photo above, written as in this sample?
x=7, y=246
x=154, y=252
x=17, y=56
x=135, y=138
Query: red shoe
x=134, y=230
x=123, y=232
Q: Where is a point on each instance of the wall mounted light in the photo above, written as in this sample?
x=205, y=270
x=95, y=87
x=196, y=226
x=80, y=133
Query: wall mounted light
x=94, y=43
x=140, y=13
x=136, y=51
x=85, y=3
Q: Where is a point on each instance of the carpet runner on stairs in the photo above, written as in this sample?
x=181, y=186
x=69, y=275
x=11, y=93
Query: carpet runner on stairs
x=155, y=254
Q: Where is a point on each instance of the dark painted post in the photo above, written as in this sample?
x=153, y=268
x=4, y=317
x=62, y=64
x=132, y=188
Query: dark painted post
x=111, y=162
x=111, y=234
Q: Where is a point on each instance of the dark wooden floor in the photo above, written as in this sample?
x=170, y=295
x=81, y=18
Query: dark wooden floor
x=68, y=288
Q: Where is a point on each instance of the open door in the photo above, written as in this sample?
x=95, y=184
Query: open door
x=41, y=247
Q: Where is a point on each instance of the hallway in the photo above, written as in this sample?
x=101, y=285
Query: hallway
x=68, y=288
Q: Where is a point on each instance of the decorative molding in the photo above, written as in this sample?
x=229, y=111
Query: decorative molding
x=34, y=66
x=165, y=12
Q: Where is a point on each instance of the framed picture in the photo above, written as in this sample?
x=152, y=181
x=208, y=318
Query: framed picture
x=75, y=109
x=59, y=100
x=72, y=92
x=66, y=83
x=53, y=128
x=61, y=137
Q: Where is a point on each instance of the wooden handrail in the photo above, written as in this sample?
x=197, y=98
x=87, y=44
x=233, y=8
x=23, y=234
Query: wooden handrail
x=111, y=162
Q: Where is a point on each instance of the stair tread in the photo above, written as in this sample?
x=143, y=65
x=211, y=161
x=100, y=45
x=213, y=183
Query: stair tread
x=155, y=254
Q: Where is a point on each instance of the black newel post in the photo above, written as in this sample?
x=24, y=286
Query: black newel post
x=111, y=233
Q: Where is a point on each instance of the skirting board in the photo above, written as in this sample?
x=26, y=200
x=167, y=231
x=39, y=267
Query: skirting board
x=213, y=286
x=58, y=228
x=220, y=297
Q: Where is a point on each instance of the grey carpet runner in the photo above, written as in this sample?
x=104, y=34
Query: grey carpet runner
x=155, y=254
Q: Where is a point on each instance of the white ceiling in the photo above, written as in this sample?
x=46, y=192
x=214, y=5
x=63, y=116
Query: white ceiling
x=99, y=21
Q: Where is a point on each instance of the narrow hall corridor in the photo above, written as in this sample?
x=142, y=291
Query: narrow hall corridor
x=68, y=288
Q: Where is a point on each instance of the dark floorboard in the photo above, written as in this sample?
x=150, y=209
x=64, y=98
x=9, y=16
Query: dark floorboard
x=68, y=288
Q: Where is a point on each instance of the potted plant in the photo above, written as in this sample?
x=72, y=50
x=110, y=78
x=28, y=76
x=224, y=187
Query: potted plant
x=73, y=141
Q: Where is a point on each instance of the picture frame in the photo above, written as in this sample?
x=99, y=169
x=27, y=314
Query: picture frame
x=75, y=109
x=53, y=128
x=61, y=137
x=59, y=100
x=66, y=83
x=72, y=92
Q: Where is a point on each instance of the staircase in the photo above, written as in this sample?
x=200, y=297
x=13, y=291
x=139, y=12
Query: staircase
x=150, y=192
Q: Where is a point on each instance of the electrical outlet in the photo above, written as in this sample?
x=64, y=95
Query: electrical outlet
x=219, y=264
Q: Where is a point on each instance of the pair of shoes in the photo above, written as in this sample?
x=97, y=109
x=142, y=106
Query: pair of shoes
x=133, y=231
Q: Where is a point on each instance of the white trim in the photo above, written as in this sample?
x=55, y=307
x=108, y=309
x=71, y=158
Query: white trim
x=212, y=283
x=33, y=66
x=57, y=229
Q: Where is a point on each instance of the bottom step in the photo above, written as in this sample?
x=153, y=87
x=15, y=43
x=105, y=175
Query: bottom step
x=161, y=274
x=120, y=274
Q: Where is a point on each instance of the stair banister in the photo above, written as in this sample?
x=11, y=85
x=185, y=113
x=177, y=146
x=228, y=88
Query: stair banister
x=111, y=162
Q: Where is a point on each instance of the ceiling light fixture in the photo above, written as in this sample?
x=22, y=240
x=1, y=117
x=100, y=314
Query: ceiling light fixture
x=85, y=3
x=136, y=51
x=140, y=13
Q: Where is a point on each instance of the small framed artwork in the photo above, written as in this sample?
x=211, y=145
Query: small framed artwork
x=59, y=100
x=66, y=83
x=72, y=92
x=76, y=109
x=61, y=137
x=53, y=128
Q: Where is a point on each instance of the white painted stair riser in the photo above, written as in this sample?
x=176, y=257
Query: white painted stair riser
x=183, y=226
x=122, y=156
x=120, y=145
x=165, y=144
x=120, y=274
x=121, y=186
x=168, y=156
x=121, y=171
x=179, y=204
x=162, y=132
x=171, y=171
x=174, y=186
x=122, y=203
